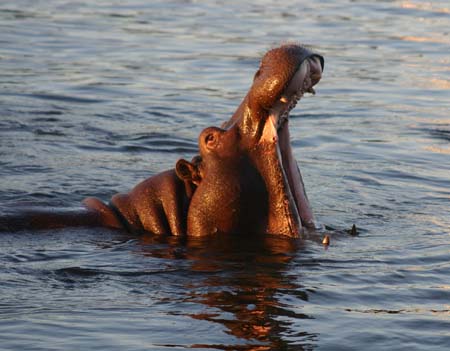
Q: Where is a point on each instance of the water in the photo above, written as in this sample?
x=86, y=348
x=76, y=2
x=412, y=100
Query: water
x=96, y=96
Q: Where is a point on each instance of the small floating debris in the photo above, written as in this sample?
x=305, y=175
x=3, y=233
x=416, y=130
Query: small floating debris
x=326, y=240
x=353, y=231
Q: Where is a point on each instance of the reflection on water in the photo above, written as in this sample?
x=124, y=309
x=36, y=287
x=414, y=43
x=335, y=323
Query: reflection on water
x=245, y=274
x=96, y=96
x=426, y=39
x=428, y=6
x=440, y=83
x=437, y=149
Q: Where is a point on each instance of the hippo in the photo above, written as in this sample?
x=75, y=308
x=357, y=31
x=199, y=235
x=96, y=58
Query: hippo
x=231, y=196
x=285, y=74
x=271, y=197
x=245, y=178
x=251, y=180
x=157, y=205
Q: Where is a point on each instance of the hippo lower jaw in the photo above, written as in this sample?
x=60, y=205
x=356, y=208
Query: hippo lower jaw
x=275, y=139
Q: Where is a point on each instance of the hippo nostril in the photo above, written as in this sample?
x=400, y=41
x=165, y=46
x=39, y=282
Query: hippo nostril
x=316, y=76
x=316, y=70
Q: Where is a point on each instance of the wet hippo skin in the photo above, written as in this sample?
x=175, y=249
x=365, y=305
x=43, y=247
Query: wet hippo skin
x=245, y=179
x=285, y=74
x=157, y=205
x=231, y=197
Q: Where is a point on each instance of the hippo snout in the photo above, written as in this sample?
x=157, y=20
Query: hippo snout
x=316, y=68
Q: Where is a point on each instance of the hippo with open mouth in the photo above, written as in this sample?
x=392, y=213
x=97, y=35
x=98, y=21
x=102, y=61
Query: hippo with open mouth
x=256, y=185
x=245, y=179
x=285, y=74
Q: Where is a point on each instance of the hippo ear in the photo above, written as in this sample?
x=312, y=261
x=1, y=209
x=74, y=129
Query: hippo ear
x=258, y=72
x=187, y=171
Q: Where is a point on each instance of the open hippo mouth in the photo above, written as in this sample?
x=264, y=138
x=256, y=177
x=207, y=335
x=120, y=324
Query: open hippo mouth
x=308, y=75
x=285, y=75
x=276, y=131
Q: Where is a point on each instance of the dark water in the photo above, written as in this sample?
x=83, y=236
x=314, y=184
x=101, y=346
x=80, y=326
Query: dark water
x=96, y=96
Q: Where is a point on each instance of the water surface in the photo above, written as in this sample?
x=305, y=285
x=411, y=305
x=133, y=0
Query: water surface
x=96, y=96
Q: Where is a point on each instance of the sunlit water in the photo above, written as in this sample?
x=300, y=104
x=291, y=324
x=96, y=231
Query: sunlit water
x=98, y=95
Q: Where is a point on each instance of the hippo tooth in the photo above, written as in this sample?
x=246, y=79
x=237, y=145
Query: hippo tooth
x=284, y=99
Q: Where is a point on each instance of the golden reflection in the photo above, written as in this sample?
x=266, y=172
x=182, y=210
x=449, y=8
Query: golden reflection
x=241, y=292
x=424, y=6
x=425, y=39
x=438, y=149
x=440, y=83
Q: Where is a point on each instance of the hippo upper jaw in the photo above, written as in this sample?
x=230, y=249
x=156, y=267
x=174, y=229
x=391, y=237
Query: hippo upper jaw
x=289, y=208
x=284, y=75
x=308, y=75
x=304, y=80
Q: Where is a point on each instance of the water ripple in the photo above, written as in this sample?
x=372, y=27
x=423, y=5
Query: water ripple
x=97, y=96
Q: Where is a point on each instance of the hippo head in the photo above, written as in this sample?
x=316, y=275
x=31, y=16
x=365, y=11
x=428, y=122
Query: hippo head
x=230, y=195
x=284, y=75
x=217, y=147
x=248, y=179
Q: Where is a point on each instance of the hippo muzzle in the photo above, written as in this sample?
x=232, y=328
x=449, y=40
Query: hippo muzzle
x=285, y=75
x=276, y=131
